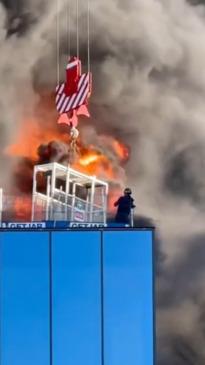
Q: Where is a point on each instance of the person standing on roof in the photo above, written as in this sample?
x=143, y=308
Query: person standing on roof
x=125, y=204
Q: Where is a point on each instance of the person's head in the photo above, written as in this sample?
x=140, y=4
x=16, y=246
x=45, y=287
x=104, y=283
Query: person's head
x=127, y=191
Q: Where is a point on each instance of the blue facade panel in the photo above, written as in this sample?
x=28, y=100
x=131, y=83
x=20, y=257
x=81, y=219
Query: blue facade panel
x=128, y=298
x=76, y=296
x=24, y=298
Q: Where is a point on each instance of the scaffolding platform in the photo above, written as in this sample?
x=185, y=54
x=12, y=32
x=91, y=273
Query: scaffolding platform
x=61, y=193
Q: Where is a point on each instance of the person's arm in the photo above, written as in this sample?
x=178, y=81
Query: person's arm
x=117, y=203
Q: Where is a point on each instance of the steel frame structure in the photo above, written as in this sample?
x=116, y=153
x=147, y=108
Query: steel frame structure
x=61, y=201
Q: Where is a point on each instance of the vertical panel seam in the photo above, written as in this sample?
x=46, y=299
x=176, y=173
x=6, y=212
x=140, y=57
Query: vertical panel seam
x=50, y=301
x=1, y=298
x=102, y=299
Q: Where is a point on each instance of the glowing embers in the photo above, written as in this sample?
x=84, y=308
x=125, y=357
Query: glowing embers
x=73, y=95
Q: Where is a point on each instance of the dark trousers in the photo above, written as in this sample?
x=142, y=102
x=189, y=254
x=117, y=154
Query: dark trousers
x=122, y=218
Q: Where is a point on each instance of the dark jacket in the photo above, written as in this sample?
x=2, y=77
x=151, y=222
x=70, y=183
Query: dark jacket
x=125, y=204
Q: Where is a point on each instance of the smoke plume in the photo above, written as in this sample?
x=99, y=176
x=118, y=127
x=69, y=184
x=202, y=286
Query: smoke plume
x=149, y=90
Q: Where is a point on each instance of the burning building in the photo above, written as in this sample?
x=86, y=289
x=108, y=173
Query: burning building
x=41, y=143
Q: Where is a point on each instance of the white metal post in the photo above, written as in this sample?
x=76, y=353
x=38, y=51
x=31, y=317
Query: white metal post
x=34, y=194
x=67, y=189
x=48, y=192
x=53, y=184
x=92, y=198
x=1, y=204
x=103, y=202
x=105, y=206
x=87, y=206
x=73, y=201
x=53, y=180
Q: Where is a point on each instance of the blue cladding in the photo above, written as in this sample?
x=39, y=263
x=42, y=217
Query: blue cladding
x=102, y=298
x=24, y=299
x=76, y=298
x=128, y=302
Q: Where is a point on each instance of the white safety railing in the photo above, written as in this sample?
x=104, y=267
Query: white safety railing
x=59, y=207
x=73, y=209
x=68, y=195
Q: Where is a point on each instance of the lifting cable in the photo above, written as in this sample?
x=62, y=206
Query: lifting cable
x=77, y=28
x=68, y=28
x=57, y=42
x=88, y=33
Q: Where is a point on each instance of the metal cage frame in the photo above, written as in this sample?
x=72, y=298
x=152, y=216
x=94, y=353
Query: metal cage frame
x=62, y=202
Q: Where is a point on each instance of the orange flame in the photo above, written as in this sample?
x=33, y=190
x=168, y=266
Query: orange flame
x=88, y=159
x=121, y=150
x=22, y=208
x=91, y=161
x=30, y=136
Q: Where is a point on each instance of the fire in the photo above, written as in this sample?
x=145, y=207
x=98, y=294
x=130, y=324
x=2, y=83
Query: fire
x=91, y=161
x=22, y=207
x=121, y=150
x=30, y=136
x=104, y=163
x=95, y=163
x=88, y=159
x=115, y=193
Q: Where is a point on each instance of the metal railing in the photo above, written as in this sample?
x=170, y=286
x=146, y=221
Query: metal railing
x=68, y=207
x=15, y=208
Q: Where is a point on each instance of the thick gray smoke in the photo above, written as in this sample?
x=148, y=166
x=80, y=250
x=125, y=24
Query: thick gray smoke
x=149, y=89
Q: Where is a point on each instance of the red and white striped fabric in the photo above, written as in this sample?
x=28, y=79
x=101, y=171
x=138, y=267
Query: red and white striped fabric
x=66, y=103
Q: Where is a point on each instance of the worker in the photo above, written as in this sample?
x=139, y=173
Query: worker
x=125, y=204
x=74, y=134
